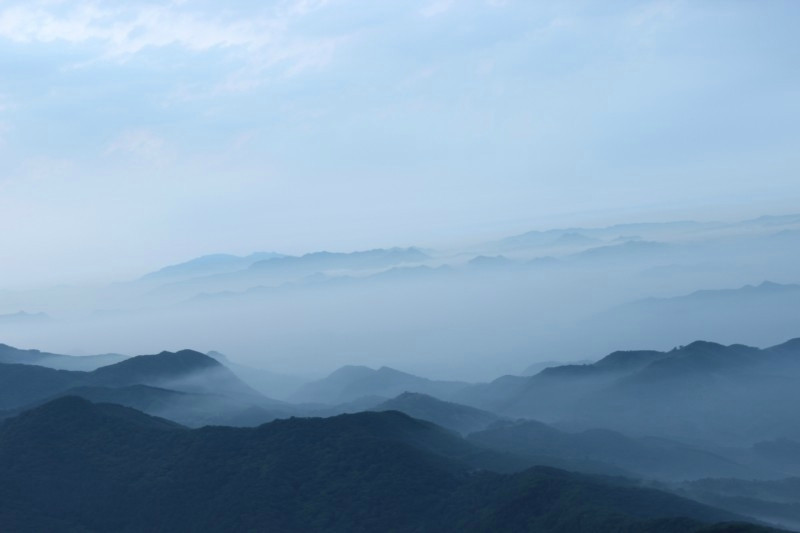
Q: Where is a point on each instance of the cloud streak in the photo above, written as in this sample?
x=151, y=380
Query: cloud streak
x=119, y=31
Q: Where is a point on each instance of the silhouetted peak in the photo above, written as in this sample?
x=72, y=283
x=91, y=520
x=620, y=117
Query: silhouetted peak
x=408, y=398
x=389, y=371
x=572, y=237
x=80, y=414
x=791, y=346
x=220, y=357
x=703, y=346
x=187, y=358
x=357, y=259
x=791, y=343
x=771, y=286
x=627, y=358
x=377, y=421
x=486, y=260
x=698, y=348
x=64, y=404
x=166, y=366
x=414, y=396
x=351, y=371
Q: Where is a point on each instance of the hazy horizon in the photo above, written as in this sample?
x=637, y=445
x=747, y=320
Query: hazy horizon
x=463, y=240
x=137, y=134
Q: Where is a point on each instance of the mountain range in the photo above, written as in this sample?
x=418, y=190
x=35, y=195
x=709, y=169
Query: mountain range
x=460, y=418
x=186, y=386
x=702, y=392
x=350, y=383
x=699, y=411
x=207, y=265
x=10, y=355
x=735, y=314
x=117, y=469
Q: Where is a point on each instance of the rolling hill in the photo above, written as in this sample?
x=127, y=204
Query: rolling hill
x=185, y=386
x=352, y=382
x=118, y=469
x=703, y=392
x=460, y=418
x=11, y=355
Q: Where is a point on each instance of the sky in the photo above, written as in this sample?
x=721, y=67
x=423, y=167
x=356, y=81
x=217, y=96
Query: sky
x=135, y=134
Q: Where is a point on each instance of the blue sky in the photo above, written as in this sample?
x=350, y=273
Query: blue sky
x=134, y=134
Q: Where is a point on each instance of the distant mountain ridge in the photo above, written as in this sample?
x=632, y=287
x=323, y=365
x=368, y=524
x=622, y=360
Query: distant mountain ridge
x=651, y=229
x=11, y=355
x=207, y=265
x=275, y=272
x=551, y=237
x=360, y=260
x=272, y=384
x=764, y=288
x=460, y=418
x=349, y=383
x=22, y=318
x=764, y=313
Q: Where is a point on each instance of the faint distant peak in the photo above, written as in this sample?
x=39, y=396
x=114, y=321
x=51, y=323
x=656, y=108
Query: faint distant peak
x=387, y=370
x=490, y=261
x=791, y=346
x=161, y=364
x=363, y=259
x=400, y=273
x=763, y=287
x=775, y=220
x=624, y=249
x=584, y=236
x=701, y=346
x=218, y=356
x=574, y=238
x=23, y=317
x=535, y=368
x=351, y=371
x=208, y=265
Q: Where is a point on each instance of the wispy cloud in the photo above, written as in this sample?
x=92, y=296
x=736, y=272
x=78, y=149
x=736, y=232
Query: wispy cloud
x=437, y=7
x=658, y=10
x=122, y=30
x=5, y=103
x=5, y=127
x=141, y=143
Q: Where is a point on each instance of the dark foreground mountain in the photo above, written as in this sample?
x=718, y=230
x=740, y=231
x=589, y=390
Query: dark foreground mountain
x=71, y=465
x=776, y=501
x=190, y=409
x=185, y=386
x=646, y=457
